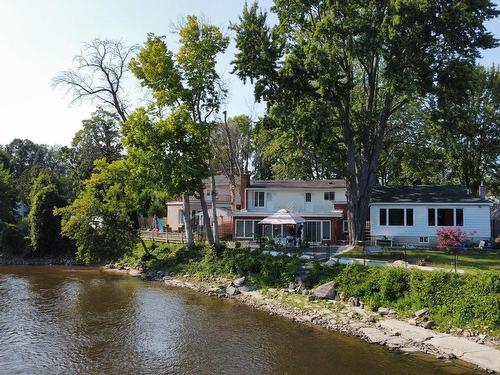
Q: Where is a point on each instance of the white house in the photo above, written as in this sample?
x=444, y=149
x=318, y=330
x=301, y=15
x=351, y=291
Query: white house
x=412, y=214
x=322, y=203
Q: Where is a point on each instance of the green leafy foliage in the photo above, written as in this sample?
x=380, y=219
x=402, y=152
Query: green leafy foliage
x=99, y=138
x=260, y=269
x=342, y=69
x=102, y=220
x=45, y=227
x=470, y=300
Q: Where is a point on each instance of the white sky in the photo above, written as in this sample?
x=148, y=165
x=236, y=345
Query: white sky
x=39, y=38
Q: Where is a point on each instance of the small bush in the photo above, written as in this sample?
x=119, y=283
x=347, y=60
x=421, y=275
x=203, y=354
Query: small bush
x=470, y=300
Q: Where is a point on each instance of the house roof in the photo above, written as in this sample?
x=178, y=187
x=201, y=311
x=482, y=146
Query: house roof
x=298, y=184
x=424, y=194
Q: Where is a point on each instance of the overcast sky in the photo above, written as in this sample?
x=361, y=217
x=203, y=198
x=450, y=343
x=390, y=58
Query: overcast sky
x=40, y=38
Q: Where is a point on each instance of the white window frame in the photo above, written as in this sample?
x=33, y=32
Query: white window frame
x=321, y=230
x=180, y=217
x=328, y=193
x=257, y=200
x=345, y=226
x=423, y=239
x=405, y=216
x=329, y=234
x=244, y=228
x=436, y=223
x=308, y=194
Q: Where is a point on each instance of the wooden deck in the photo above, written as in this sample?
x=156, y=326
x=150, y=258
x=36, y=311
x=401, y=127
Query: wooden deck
x=173, y=237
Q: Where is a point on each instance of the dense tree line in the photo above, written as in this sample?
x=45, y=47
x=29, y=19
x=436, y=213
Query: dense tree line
x=387, y=93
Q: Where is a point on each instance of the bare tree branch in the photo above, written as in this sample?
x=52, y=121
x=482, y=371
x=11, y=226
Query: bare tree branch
x=98, y=74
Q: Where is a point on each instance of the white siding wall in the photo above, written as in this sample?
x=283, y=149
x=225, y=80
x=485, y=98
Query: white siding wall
x=476, y=218
x=296, y=201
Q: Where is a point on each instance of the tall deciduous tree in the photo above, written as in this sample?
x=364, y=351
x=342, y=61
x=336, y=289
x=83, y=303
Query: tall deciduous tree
x=232, y=140
x=168, y=154
x=11, y=240
x=364, y=60
x=188, y=86
x=7, y=195
x=45, y=227
x=98, y=138
x=99, y=74
x=102, y=220
x=27, y=159
x=467, y=126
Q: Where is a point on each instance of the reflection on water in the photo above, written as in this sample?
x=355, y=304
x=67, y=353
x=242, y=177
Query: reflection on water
x=56, y=320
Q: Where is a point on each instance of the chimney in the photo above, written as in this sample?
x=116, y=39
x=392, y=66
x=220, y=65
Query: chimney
x=482, y=191
x=244, y=184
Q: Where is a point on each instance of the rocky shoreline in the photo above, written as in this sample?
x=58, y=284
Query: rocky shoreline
x=323, y=307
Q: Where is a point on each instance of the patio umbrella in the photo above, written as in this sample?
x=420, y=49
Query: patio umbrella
x=282, y=217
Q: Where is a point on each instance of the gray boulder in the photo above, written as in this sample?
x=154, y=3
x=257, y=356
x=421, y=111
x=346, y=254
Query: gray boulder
x=240, y=281
x=383, y=310
x=420, y=314
x=428, y=325
x=325, y=291
x=231, y=290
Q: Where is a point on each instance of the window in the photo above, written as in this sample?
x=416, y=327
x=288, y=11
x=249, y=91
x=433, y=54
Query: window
x=383, y=216
x=258, y=228
x=308, y=197
x=312, y=231
x=329, y=195
x=423, y=240
x=431, y=217
x=240, y=228
x=316, y=231
x=244, y=228
x=409, y=216
x=248, y=228
x=259, y=198
x=459, y=217
x=345, y=226
x=326, y=230
x=396, y=216
x=180, y=217
x=445, y=217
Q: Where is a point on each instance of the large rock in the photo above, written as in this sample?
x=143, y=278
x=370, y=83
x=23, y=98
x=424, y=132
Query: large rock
x=428, y=325
x=383, y=311
x=231, y=290
x=239, y=282
x=421, y=313
x=325, y=291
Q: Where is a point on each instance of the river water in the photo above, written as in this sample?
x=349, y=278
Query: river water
x=56, y=320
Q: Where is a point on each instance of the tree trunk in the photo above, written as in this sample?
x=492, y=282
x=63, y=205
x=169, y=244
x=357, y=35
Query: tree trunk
x=187, y=221
x=206, y=217
x=215, y=222
x=357, y=210
x=232, y=191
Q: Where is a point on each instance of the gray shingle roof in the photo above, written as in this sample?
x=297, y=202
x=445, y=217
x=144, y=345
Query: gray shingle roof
x=299, y=184
x=424, y=194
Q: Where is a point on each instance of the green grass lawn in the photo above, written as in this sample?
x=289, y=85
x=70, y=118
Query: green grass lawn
x=469, y=260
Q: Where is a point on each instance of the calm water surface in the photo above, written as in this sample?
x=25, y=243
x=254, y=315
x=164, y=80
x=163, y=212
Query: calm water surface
x=56, y=320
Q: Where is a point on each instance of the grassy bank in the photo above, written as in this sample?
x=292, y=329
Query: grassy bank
x=469, y=301
x=469, y=260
